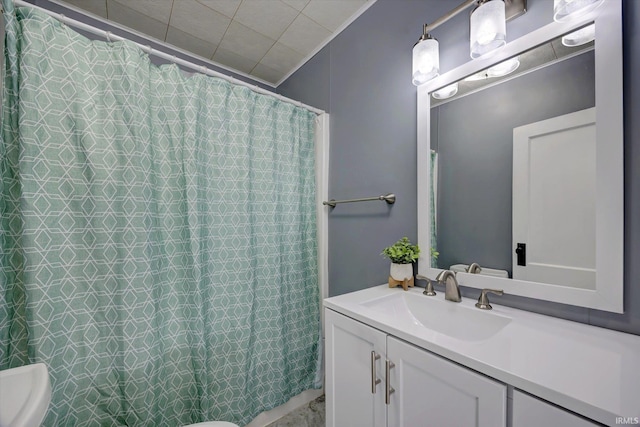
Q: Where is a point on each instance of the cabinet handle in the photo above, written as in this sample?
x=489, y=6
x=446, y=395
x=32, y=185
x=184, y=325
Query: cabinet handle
x=374, y=380
x=388, y=389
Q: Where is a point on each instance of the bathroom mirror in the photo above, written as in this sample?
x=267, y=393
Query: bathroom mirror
x=483, y=208
x=517, y=163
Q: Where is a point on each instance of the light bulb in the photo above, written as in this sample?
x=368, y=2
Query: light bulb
x=504, y=68
x=488, y=28
x=582, y=36
x=426, y=60
x=565, y=10
x=446, y=92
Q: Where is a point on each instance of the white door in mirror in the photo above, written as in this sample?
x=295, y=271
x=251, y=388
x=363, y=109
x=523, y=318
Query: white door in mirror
x=554, y=200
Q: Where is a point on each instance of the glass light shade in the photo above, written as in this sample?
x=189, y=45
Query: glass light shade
x=582, y=36
x=488, y=28
x=564, y=10
x=426, y=61
x=446, y=92
x=504, y=68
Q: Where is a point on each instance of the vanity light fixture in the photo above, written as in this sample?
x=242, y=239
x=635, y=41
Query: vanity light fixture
x=582, y=36
x=487, y=33
x=488, y=28
x=504, y=68
x=565, y=10
x=426, y=58
x=446, y=92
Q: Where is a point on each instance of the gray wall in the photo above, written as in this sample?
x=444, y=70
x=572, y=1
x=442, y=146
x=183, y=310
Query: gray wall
x=475, y=156
x=363, y=78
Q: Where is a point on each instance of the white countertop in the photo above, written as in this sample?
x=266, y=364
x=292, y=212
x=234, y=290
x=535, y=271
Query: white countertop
x=589, y=370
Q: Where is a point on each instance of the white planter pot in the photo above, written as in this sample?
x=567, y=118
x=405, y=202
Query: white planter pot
x=401, y=272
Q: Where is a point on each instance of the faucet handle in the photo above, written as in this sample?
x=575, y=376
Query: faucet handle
x=483, y=301
x=429, y=288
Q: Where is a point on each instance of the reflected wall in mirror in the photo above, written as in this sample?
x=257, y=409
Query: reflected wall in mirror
x=517, y=174
x=476, y=193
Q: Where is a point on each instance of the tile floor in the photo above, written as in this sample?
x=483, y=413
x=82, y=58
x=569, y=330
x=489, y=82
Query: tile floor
x=309, y=415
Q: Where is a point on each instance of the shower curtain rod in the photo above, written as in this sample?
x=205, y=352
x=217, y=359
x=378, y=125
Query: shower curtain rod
x=160, y=54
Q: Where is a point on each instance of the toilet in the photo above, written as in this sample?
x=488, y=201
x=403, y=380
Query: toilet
x=213, y=424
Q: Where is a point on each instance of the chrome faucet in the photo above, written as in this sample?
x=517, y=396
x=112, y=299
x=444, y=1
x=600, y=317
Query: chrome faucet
x=474, y=268
x=452, y=289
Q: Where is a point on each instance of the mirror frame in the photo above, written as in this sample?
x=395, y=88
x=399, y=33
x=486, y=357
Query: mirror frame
x=608, y=293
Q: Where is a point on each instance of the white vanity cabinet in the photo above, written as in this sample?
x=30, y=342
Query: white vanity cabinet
x=355, y=357
x=456, y=365
x=529, y=411
x=424, y=389
x=433, y=391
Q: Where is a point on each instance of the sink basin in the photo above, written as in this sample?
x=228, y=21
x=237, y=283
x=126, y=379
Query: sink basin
x=26, y=394
x=456, y=320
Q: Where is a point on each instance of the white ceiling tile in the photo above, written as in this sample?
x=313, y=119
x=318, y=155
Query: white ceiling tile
x=281, y=58
x=198, y=20
x=136, y=20
x=267, y=74
x=156, y=9
x=241, y=34
x=296, y=4
x=268, y=17
x=230, y=59
x=245, y=42
x=304, y=35
x=97, y=7
x=190, y=43
x=225, y=7
x=331, y=14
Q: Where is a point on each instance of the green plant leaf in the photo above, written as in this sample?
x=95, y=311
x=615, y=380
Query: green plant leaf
x=402, y=252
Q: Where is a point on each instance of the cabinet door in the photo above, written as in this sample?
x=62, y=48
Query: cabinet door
x=432, y=391
x=353, y=397
x=529, y=411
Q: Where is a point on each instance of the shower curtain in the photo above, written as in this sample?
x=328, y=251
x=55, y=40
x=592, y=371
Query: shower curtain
x=433, y=203
x=158, y=235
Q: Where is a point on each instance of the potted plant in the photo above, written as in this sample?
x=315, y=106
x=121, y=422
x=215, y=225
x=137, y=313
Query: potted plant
x=402, y=255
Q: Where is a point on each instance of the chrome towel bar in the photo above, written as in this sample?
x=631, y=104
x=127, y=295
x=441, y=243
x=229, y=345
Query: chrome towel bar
x=389, y=198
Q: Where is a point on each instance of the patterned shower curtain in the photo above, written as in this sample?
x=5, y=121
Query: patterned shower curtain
x=433, y=204
x=158, y=235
